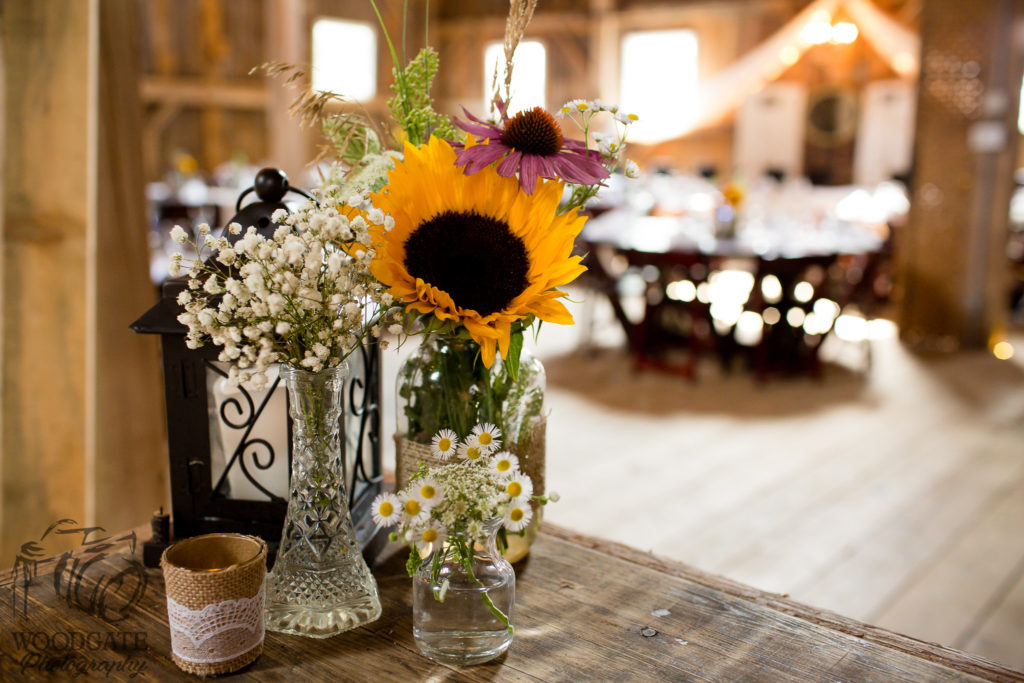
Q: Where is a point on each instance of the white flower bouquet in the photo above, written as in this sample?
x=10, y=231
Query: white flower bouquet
x=445, y=510
x=303, y=297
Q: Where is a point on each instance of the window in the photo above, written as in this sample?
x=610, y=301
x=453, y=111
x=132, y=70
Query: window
x=1020, y=110
x=529, y=78
x=658, y=82
x=345, y=58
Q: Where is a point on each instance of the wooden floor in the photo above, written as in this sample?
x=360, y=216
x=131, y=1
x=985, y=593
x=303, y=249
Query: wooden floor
x=894, y=497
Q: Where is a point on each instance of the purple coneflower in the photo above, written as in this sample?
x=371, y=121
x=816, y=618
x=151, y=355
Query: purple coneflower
x=531, y=143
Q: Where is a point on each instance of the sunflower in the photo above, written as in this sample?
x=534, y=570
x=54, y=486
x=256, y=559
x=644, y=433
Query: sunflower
x=476, y=250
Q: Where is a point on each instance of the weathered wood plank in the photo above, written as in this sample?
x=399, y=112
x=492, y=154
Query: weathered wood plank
x=830, y=497
x=853, y=582
x=961, y=661
x=839, y=513
x=1001, y=631
x=949, y=603
x=583, y=607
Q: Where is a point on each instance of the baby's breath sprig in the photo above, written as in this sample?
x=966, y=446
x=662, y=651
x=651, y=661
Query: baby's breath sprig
x=303, y=297
x=445, y=510
x=612, y=146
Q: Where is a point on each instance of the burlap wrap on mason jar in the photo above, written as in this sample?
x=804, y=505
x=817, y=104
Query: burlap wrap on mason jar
x=215, y=588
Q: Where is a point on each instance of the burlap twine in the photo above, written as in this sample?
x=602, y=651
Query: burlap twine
x=189, y=581
x=532, y=459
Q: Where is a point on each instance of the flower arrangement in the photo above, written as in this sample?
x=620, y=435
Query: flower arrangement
x=304, y=296
x=485, y=221
x=482, y=238
x=733, y=194
x=505, y=279
x=443, y=513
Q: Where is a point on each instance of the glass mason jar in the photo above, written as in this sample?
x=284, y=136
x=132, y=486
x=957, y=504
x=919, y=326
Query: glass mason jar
x=452, y=619
x=320, y=584
x=444, y=385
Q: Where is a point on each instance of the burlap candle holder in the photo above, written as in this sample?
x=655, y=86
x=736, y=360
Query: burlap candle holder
x=215, y=599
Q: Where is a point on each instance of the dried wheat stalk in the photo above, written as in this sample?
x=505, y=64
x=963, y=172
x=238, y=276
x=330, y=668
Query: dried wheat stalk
x=520, y=12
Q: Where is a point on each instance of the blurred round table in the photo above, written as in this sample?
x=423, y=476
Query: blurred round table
x=775, y=286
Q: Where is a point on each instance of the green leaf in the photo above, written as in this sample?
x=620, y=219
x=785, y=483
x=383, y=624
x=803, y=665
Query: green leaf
x=515, y=349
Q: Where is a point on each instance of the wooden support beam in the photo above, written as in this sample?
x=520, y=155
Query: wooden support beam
x=83, y=429
x=954, y=264
x=165, y=57
x=152, y=129
x=286, y=26
x=215, y=47
x=196, y=92
x=604, y=45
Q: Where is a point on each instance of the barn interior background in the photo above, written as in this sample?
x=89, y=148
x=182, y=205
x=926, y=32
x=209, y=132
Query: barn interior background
x=122, y=118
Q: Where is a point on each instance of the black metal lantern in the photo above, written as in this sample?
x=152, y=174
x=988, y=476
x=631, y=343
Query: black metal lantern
x=230, y=448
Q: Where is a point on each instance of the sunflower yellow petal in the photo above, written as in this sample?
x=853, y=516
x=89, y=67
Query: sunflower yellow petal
x=426, y=183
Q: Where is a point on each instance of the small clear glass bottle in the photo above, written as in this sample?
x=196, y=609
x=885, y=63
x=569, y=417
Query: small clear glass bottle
x=452, y=621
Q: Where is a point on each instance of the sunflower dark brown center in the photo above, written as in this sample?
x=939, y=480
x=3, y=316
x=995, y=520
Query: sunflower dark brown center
x=476, y=259
x=533, y=131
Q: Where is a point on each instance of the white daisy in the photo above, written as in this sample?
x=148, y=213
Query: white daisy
x=572, y=106
x=486, y=436
x=444, y=444
x=519, y=487
x=518, y=515
x=430, y=537
x=386, y=509
x=413, y=511
x=428, y=492
x=504, y=464
x=470, y=452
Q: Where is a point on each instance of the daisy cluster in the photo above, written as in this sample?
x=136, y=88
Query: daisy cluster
x=304, y=297
x=610, y=145
x=482, y=483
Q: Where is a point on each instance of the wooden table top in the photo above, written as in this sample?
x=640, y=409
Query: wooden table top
x=586, y=610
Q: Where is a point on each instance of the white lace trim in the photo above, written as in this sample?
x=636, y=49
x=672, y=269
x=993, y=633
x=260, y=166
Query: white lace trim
x=218, y=632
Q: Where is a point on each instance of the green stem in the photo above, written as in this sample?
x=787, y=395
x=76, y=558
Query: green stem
x=426, y=25
x=399, y=66
x=435, y=573
x=466, y=555
x=405, y=15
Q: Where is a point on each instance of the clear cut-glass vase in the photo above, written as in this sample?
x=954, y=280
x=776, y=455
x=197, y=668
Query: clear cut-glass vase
x=454, y=619
x=445, y=385
x=320, y=584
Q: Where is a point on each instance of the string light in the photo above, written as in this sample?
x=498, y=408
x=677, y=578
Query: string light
x=844, y=33
x=820, y=30
x=789, y=55
x=816, y=33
